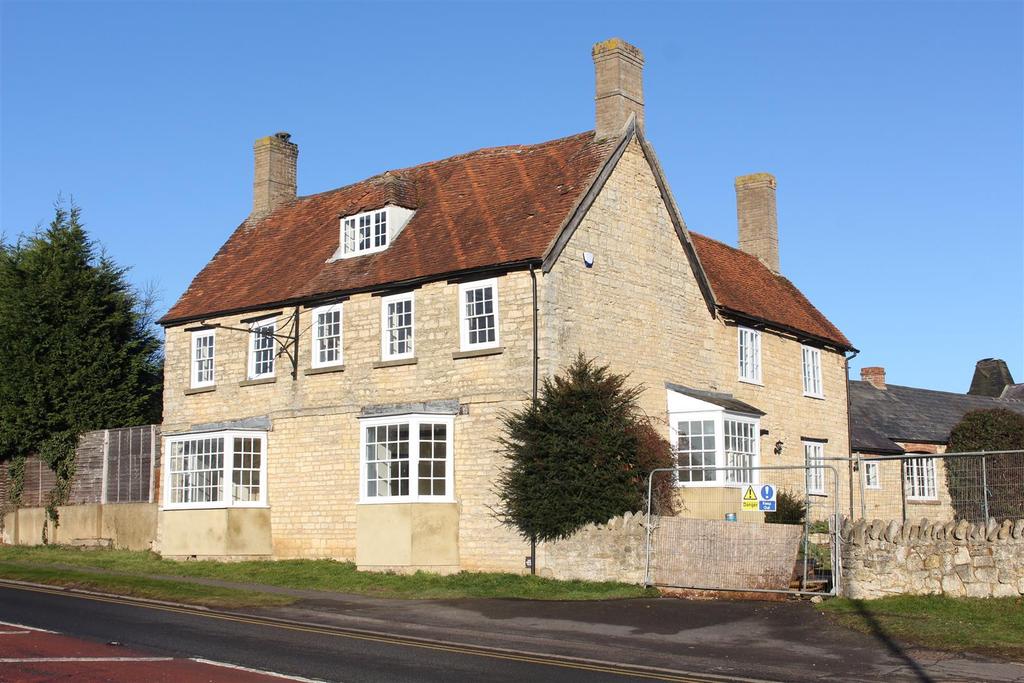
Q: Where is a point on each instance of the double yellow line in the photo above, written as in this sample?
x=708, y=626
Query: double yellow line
x=352, y=634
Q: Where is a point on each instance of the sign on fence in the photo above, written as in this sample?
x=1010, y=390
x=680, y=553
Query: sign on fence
x=760, y=500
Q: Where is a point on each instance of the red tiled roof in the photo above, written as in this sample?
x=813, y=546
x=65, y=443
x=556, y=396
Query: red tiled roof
x=743, y=284
x=488, y=207
x=502, y=205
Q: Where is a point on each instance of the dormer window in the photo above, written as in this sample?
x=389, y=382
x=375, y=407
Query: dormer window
x=371, y=231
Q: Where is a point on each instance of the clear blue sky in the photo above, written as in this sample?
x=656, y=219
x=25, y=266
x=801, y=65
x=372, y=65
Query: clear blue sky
x=896, y=132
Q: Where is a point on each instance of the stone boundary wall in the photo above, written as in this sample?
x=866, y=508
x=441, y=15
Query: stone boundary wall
x=958, y=559
x=613, y=551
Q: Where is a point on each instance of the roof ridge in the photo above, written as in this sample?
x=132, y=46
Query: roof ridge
x=889, y=385
x=482, y=151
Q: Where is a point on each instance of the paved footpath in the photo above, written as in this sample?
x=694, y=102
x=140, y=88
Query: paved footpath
x=31, y=655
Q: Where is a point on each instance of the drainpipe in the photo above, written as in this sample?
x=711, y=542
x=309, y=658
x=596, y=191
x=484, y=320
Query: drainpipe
x=536, y=372
x=849, y=426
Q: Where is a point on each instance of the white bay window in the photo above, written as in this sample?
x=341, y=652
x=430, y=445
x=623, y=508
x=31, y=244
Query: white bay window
x=713, y=446
x=406, y=458
x=216, y=470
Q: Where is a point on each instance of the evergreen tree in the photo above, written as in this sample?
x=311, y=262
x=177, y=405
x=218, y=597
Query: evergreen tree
x=76, y=348
x=993, y=429
x=580, y=454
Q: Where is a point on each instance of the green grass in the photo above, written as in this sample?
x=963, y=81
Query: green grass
x=141, y=587
x=993, y=626
x=327, y=575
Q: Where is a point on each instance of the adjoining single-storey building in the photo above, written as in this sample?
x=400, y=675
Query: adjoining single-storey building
x=335, y=374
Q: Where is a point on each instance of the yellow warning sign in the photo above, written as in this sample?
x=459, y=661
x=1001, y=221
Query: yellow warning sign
x=749, y=502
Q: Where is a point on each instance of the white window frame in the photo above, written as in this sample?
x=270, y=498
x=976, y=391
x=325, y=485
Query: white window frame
x=929, y=473
x=385, y=346
x=227, y=471
x=875, y=467
x=748, y=355
x=414, y=420
x=253, y=326
x=464, y=289
x=317, y=338
x=814, y=462
x=722, y=478
x=196, y=382
x=350, y=240
x=813, y=384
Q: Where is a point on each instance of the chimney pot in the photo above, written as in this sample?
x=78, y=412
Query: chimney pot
x=757, y=218
x=274, y=180
x=618, y=91
x=875, y=376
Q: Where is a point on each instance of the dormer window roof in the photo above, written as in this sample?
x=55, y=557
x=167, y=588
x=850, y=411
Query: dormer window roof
x=371, y=231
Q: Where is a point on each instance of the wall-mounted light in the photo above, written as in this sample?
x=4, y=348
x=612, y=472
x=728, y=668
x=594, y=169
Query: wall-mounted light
x=778, y=447
x=588, y=259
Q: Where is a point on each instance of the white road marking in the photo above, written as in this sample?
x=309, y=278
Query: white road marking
x=13, y=633
x=29, y=660
x=286, y=677
x=27, y=628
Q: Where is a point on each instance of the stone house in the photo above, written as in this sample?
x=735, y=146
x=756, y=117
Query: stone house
x=336, y=373
x=893, y=420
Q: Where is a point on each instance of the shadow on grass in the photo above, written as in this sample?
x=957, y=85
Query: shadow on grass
x=895, y=648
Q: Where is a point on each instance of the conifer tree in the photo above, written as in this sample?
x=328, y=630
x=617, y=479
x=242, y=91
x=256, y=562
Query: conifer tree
x=580, y=454
x=77, y=351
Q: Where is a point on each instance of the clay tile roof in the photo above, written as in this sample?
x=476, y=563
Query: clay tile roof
x=490, y=207
x=743, y=284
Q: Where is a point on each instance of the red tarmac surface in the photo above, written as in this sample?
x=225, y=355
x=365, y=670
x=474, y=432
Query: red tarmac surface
x=29, y=655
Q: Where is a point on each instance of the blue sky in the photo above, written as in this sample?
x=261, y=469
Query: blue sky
x=896, y=132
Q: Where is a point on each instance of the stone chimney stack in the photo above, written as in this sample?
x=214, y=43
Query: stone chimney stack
x=619, y=91
x=991, y=376
x=875, y=376
x=758, y=221
x=274, y=181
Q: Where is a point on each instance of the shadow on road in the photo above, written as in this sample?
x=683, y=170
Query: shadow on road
x=880, y=634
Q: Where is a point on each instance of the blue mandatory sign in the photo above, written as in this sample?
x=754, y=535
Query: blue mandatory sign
x=767, y=492
x=766, y=500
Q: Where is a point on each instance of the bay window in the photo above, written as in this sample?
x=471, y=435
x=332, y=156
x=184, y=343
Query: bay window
x=708, y=441
x=216, y=470
x=406, y=458
x=202, y=359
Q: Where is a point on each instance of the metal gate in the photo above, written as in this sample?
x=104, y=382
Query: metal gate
x=714, y=544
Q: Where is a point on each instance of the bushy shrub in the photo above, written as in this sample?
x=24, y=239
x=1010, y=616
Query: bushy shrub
x=995, y=429
x=790, y=508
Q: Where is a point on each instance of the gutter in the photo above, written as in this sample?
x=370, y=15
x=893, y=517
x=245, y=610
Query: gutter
x=536, y=375
x=799, y=334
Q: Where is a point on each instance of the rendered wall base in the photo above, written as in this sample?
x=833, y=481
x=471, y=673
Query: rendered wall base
x=406, y=537
x=714, y=503
x=130, y=526
x=216, y=534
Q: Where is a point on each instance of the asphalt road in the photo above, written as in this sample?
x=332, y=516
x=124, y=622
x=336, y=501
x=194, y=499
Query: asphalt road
x=319, y=653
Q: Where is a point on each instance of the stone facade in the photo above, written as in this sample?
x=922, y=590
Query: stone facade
x=958, y=559
x=638, y=308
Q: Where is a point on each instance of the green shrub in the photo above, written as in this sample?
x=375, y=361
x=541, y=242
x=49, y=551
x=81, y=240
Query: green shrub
x=994, y=429
x=790, y=508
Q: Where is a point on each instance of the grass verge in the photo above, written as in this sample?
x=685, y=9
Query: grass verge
x=142, y=587
x=991, y=626
x=325, y=575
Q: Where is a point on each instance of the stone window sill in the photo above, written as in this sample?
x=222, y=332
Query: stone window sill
x=477, y=353
x=394, y=363
x=255, y=382
x=200, y=390
x=914, y=501
x=325, y=370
